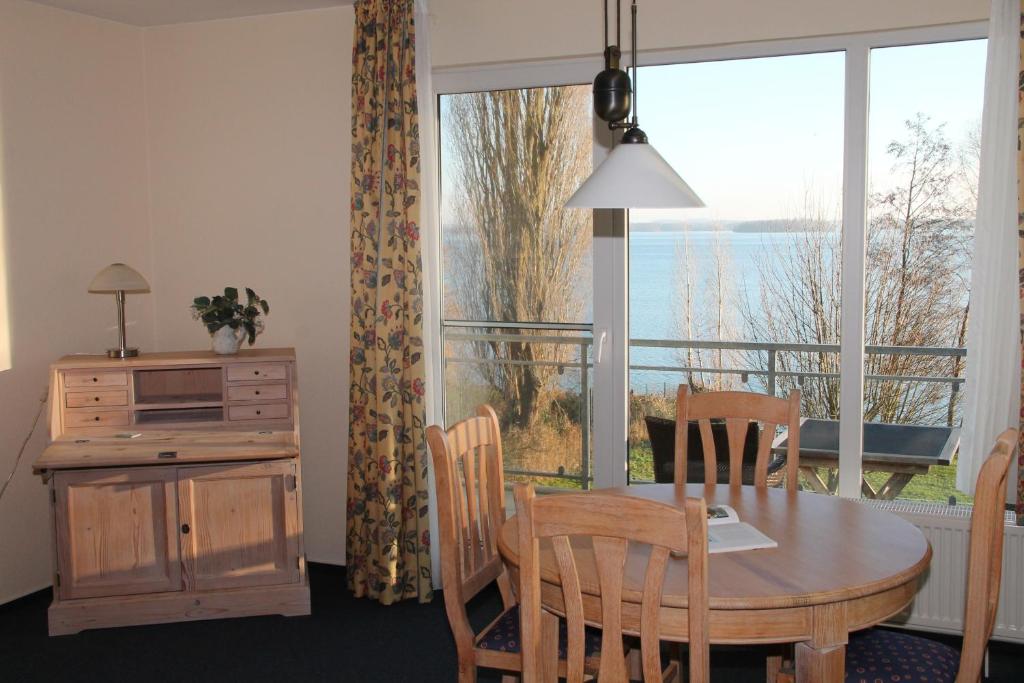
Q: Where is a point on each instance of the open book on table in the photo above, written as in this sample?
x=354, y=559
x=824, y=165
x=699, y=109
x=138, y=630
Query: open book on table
x=726, y=533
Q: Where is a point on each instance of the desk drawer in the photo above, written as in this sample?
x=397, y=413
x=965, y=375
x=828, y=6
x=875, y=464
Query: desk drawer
x=243, y=372
x=258, y=392
x=86, y=399
x=98, y=378
x=96, y=418
x=268, y=411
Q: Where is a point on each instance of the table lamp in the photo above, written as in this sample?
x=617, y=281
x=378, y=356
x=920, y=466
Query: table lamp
x=116, y=279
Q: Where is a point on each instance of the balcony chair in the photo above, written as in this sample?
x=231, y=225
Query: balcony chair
x=611, y=522
x=741, y=412
x=662, y=434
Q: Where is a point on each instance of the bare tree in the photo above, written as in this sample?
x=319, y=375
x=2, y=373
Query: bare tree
x=918, y=254
x=516, y=254
x=706, y=309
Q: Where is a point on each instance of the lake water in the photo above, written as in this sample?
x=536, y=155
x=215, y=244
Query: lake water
x=656, y=308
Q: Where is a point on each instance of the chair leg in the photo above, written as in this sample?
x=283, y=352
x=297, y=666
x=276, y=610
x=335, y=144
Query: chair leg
x=780, y=667
x=549, y=647
x=634, y=664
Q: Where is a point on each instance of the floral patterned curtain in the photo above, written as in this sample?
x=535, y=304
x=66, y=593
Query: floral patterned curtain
x=388, y=537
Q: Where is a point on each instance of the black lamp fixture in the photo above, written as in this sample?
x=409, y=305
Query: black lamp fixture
x=634, y=175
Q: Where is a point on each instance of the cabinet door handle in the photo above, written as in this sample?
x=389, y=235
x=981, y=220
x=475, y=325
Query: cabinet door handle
x=185, y=528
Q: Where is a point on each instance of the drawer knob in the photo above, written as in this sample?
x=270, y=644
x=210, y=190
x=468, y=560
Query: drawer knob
x=185, y=528
x=258, y=412
x=95, y=379
x=97, y=418
x=255, y=372
x=257, y=392
x=97, y=398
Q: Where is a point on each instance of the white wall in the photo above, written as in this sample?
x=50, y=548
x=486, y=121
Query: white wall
x=490, y=31
x=249, y=124
x=72, y=200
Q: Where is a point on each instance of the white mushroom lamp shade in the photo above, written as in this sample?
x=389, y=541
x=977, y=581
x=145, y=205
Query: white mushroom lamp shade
x=117, y=277
x=634, y=176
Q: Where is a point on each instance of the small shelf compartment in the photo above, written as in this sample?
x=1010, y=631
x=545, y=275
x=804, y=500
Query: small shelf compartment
x=178, y=388
x=177, y=415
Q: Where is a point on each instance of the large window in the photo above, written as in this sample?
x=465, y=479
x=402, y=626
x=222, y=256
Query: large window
x=924, y=132
x=517, y=299
x=551, y=312
x=744, y=294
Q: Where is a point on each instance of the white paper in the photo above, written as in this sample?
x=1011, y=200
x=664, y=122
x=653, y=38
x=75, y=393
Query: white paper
x=735, y=536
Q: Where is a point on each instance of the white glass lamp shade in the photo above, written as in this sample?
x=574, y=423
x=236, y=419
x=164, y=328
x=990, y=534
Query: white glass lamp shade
x=634, y=176
x=117, y=277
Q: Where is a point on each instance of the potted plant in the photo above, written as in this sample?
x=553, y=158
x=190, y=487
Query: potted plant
x=228, y=320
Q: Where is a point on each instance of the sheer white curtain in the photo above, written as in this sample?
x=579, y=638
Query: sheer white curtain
x=992, y=396
x=430, y=230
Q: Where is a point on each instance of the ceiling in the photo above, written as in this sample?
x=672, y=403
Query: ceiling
x=157, y=12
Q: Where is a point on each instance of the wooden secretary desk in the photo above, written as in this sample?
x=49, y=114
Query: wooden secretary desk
x=175, y=488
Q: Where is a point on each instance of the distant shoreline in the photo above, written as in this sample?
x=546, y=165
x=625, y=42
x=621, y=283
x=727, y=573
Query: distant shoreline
x=763, y=226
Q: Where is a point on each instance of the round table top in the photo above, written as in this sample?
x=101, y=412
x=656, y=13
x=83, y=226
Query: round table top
x=829, y=550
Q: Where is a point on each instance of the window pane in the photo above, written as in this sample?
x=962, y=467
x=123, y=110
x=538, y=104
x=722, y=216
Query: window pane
x=518, y=267
x=924, y=133
x=742, y=295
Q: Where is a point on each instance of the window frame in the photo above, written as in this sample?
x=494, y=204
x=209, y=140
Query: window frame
x=611, y=249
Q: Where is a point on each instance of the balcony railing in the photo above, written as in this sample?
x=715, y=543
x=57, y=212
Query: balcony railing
x=498, y=333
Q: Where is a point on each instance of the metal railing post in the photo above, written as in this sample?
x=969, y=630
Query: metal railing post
x=771, y=371
x=584, y=418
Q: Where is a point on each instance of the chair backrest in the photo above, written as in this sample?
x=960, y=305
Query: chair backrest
x=737, y=409
x=612, y=522
x=470, y=509
x=985, y=557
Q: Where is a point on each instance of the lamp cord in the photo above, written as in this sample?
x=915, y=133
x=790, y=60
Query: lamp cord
x=633, y=47
x=24, y=444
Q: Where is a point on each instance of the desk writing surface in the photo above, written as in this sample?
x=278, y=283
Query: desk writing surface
x=172, y=358
x=71, y=452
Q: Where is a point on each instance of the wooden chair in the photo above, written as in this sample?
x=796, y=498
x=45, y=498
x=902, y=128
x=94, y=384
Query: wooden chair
x=612, y=522
x=471, y=509
x=738, y=409
x=905, y=653
x=468, y=471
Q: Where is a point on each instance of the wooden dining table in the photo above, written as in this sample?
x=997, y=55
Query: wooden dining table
x=840, y=566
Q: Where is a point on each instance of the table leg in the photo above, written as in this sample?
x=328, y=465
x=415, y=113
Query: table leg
x=823, y=658
x=866, y=490
x=894, y=485
x=814, y=480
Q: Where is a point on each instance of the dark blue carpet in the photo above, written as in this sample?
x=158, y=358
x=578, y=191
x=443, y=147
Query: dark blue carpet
x=343, y=640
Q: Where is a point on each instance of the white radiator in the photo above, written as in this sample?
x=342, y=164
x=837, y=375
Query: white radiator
x=939, y=605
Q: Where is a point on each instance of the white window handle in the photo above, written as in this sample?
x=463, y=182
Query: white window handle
x=600, y=346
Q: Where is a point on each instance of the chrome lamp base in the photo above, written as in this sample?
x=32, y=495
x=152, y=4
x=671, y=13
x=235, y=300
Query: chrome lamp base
x=122, y=353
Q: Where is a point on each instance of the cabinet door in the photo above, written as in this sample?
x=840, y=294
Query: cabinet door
x=116, y=532
x=239, y=525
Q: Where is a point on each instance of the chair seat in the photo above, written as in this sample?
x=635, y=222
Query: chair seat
x=503, y=636
x=894, y=657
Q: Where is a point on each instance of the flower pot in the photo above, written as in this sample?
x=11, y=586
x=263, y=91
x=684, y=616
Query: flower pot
x=226, y=340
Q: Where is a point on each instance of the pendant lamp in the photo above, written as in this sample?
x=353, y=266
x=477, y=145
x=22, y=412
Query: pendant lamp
x=634, y=176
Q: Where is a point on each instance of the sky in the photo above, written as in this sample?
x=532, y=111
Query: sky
x=753, y=137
